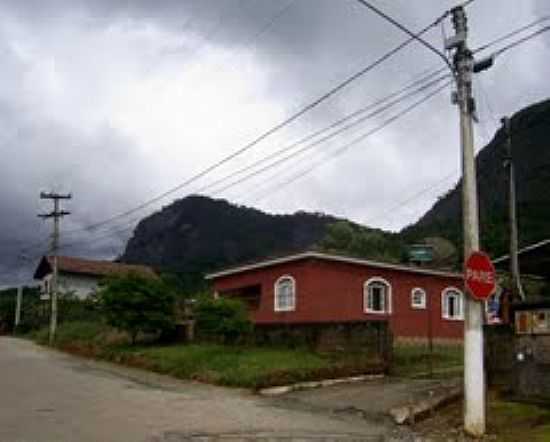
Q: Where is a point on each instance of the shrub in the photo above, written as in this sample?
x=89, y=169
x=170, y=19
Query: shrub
x=41, y=335
x=71, y=309
x=222, y=319
x=136, y=303
x=33, y=315
x=79, y=332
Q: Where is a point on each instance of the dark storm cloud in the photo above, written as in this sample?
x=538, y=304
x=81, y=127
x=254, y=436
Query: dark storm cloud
x=69, y=141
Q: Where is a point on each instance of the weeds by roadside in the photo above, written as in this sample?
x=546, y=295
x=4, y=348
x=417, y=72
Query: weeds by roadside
x=419, y=361
x=230, y=365
x=506, y=421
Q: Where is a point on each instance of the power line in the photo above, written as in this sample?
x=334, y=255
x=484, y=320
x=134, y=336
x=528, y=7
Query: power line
x=408, y=31
x=269, y=132
x=333, y=125
x=411, y=198
x=344, y=148
x=324, y=139
x=94, y=226
x=521, y=41
x=399, y=94
x=480, y=176
x=261, y=137
x=511, y=34
x=288, y=157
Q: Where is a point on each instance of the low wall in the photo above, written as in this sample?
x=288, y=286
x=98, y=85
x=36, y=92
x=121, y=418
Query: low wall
x=519, y=363
x=372, y=337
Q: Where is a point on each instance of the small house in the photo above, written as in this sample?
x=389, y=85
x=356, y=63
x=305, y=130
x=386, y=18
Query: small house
x=80, y=276
x=419, y=304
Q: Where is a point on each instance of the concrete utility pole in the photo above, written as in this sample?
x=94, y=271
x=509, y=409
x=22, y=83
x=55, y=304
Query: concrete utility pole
x=474, y=372
x=56, y=215
x=516, y=288
x=18, y=306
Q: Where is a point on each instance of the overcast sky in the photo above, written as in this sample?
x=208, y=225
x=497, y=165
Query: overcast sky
x=119, y=101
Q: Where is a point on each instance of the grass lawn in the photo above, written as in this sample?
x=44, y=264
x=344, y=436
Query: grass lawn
x=251, y=367
x=513, y=421
x=508, y=421
x=239, y=366
x=414, y=360
x=225, y=365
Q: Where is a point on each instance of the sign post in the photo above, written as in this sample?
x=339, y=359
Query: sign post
x=480, y=276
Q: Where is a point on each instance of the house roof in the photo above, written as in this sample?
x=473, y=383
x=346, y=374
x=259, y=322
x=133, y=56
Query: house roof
x=69, y=264
x=331, y=258
x=533, y=259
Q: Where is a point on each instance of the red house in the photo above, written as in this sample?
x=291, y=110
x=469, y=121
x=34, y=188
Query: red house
x=313, y=287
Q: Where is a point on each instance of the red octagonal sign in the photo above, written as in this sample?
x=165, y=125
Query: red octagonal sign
x=480, y=276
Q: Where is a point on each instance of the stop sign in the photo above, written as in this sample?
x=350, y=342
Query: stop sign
x=480, y=276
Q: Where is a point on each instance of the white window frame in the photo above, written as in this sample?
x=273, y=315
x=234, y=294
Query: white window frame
x=449, y=291
x=387, y=301
x=421, y=305
x=292, y=305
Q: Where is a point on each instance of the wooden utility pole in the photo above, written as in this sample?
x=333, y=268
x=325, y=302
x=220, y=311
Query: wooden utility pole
x=515, y=283
x=56, y=214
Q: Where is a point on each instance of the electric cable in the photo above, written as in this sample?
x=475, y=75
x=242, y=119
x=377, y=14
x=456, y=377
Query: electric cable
x=344, y=148
x=287, y=121
x=407, y=31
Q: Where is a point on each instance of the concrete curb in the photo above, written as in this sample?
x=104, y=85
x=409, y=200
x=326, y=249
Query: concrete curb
x=277, y=391
x=411, y=413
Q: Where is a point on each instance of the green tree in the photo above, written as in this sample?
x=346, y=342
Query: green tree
x=32, y=313
x=136, y=303
x=352, y=239
x=223, y=319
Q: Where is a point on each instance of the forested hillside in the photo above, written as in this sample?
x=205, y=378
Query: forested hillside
x=531, y=156
x=198, y=234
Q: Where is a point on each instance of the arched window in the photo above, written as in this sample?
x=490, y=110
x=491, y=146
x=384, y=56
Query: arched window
x=285, y=294
x=418, y=298
x=452, y=304
x=377, y=296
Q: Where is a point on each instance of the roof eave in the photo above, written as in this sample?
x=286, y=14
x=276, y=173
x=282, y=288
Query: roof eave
x=328, y=257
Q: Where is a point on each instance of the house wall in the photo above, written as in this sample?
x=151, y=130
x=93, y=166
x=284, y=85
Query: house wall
x=81, y=285
x=328, y=291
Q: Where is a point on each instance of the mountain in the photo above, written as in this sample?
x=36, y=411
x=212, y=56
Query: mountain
x=197, y=234
x=531, y=156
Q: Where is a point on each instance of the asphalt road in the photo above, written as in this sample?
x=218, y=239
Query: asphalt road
x=50, y=396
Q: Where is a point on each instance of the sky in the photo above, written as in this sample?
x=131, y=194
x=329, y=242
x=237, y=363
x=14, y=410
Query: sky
x=117, y=102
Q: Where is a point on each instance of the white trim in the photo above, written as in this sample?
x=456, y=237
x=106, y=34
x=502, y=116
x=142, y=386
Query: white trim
x=387, y=302
x=424, y=299
x=444, y=314
x=335, y=258
x=276, y=307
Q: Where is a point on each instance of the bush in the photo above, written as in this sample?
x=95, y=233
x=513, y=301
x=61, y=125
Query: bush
x=33, y=315
x=74, y=333
x=41, y=335
x=79, y=332
x=222, y=319
x=71, y=309
x=136, y=303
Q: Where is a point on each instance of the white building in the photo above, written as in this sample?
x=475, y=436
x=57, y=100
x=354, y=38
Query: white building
x=81, y=277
